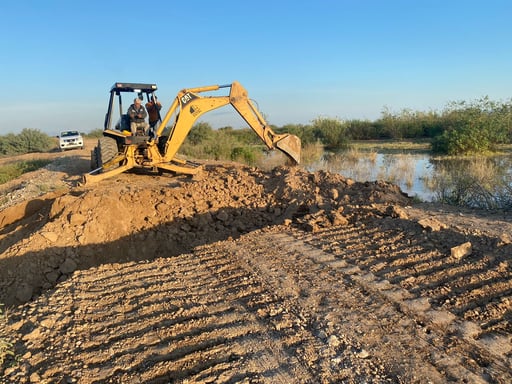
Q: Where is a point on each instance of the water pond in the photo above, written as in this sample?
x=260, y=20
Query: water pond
x=464, y=181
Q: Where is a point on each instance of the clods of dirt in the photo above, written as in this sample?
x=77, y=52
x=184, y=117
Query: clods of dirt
x=245, y=275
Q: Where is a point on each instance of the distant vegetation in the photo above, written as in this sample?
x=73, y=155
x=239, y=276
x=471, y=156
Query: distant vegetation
x=95, y=133
x=27, y=141
x=462, y=128
x=477, y=127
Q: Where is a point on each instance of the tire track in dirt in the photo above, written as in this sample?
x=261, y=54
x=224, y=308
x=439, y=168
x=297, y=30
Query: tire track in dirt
x=192, y=317
x=267, y=307
x=440, y=293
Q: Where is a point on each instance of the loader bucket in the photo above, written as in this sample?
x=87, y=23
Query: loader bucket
x=290, y=146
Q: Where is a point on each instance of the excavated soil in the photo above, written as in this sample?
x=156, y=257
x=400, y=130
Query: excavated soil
x=241, y=275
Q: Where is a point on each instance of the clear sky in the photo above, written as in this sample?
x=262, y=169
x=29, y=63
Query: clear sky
x=299, y=60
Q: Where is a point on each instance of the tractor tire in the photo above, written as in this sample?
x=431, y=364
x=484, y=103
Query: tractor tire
x=162, y=140
x=94, y=159
x=107, y=150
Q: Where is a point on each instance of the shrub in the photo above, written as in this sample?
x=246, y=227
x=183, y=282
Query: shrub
x=472, y=128
x=27, y=141
x=331, y=132
x=200, y=133
x=304, y=132
x=246, y=155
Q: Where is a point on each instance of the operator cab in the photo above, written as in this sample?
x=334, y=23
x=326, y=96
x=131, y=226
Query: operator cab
x=123, y=121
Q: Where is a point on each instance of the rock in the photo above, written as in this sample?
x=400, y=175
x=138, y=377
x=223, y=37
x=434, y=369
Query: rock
x=24, y=293
x=461, y=251
x=77, y=219
x=396, y=212
x=35, y=334
x=338, y=219
x=68, y=266
x=333, y=341
x=223, y=216
x=52, y=276
x=505, y=239
x=162, y=207
x=35, y=378
x=432, y=224
x=52, y=237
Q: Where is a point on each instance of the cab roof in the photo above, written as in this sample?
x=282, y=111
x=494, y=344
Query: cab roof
x=133, y=87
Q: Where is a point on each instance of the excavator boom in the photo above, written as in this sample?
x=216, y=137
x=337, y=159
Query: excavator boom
x=188, y=106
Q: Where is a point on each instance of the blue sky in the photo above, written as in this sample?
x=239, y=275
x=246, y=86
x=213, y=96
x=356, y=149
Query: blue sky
x=299, y=60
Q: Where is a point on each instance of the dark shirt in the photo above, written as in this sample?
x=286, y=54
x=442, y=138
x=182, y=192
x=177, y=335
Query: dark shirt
x=137, y=115
x=153, y=111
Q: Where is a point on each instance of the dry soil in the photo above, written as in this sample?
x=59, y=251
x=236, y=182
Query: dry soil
x=241, y=275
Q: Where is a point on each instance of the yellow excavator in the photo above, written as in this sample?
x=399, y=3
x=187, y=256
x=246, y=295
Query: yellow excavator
x=119, y=150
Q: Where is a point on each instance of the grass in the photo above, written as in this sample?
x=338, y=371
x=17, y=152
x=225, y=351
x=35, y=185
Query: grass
x=418, y=145
x=15, y=169
x=479, y=182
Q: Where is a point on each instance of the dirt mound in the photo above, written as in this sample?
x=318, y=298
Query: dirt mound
x=140, y=218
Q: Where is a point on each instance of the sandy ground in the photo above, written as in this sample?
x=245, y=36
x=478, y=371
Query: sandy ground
x=240, y=275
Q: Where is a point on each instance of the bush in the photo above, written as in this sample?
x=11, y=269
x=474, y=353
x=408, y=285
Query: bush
x=246, y=155
x=200, y=133
x=331, y=132
x=304, y=132
x=473, y=128
x=27, y=141
x=362, y=130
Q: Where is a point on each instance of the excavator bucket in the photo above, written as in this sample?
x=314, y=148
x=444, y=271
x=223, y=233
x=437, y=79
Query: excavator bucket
x=290, y=146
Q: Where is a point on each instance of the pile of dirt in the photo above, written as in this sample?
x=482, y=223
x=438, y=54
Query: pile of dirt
x=245, y=275
x=138, y=217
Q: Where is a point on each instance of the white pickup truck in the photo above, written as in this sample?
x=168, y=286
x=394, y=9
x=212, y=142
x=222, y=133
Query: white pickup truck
x=70, y=140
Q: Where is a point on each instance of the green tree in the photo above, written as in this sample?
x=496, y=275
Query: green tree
x=331, y=132
x=200, y=133
x=362, y=130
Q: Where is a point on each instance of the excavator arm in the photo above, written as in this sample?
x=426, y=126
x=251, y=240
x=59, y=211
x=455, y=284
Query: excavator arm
x=189, y=105
x=117, y=153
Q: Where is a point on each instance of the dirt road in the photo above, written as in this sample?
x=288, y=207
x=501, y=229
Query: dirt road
x=241, y=275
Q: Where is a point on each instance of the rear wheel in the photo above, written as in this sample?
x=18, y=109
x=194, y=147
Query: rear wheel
x=94, y=159
x=106, y=150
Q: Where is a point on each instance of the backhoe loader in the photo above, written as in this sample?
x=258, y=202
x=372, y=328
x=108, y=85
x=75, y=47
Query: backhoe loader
x=119, y=150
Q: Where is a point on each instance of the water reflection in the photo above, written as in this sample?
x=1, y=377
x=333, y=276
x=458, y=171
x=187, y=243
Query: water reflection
x=484, y=182
x=479, y=182
x=408, y=170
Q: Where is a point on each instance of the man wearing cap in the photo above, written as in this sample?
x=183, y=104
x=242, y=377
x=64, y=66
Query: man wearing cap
x=137, y=114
